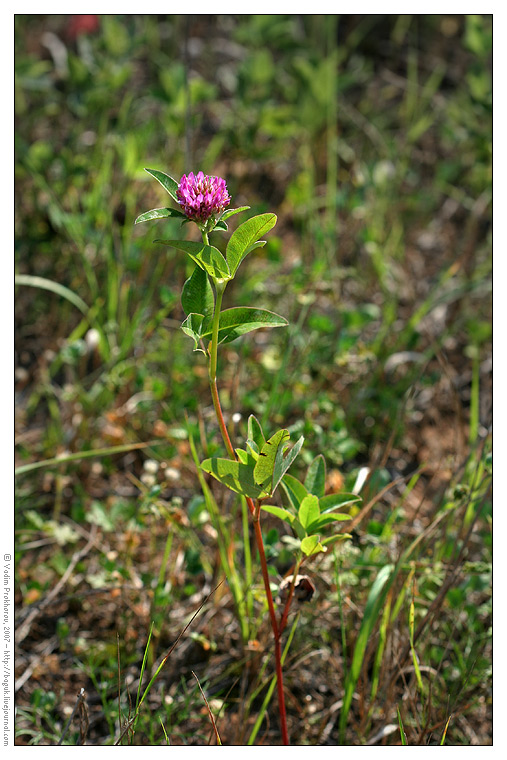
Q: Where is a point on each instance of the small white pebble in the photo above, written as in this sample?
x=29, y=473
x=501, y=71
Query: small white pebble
x=151, y=466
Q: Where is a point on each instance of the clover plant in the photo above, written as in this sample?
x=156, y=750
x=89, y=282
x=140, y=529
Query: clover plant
x=260, y=467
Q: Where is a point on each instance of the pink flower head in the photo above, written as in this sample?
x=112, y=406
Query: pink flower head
x=202, y=197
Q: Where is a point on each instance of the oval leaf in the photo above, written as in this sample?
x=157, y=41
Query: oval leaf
x=315, y=480
x=337, y=501
x=235, y=475
x=255, y=433
x=264, y=469
x=208, y=257
x=295, y=490
x=272, y=464
x=242, y=240
x=311, y=545
x=232, y=211
x=192, y=326
x=309, y=511
x=323, y=520
x=158, y=213
x=197, y=295
x=283, y=514
x=240, y=320
x=167, y=182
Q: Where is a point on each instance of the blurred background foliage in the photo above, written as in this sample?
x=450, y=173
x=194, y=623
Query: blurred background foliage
x=370, y=137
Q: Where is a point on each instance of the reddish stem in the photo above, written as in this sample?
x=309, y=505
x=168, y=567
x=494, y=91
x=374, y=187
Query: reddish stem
x=221, y=420
x=264, y=567
x=274, y=626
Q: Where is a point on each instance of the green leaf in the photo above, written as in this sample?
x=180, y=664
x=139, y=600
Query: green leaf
x=255, y=432
x=243, y=239
x=264, y=469
x=371, y=612
x=309, y=511
x=158, y=213
x=232, y=211
x=311, y=545
x=167, y=182
x=336, y=537
x=295, y=490
x=221, y=226
x=242, y=456
x=272, y=465
x=337, y=501
x=192, y=326
x=315, y=480
x=256, y=438
x=323, y=520
x=197, y=295
x=283, y=514
x=235, y=475
x=207, y=257
x=240, y=320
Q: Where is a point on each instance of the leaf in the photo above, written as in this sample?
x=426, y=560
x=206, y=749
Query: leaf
x=232, y=211
x=311, y=545
x=337, y=501
x=242, y=456
x=283, y=464
x=158, y=213
x=323, y=520
x=235, y=475
x=192, y=326
x=336, y=537
x=272, y=465
x=240, y=320
x=242, y=240
x=315, y=480
x=309, y=511
x=167, y=182
x=208, y=257
x=283, y=514
x=221, y=226
x=197, y=295
x=295, y=490
x=256, y=438
x=265, y=467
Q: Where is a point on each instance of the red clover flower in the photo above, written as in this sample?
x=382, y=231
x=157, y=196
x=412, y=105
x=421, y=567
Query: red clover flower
x=202, y=197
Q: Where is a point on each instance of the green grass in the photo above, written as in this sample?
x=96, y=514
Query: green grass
x=370, y=138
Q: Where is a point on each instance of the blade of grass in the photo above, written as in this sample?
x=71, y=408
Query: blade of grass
x=384, y=624
x=55, y=461
x=411, y=618
x=442, y=740
x=54, y=287
x=402, y=730
x=143, y=666
x=130, y=725
x=373, y=605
